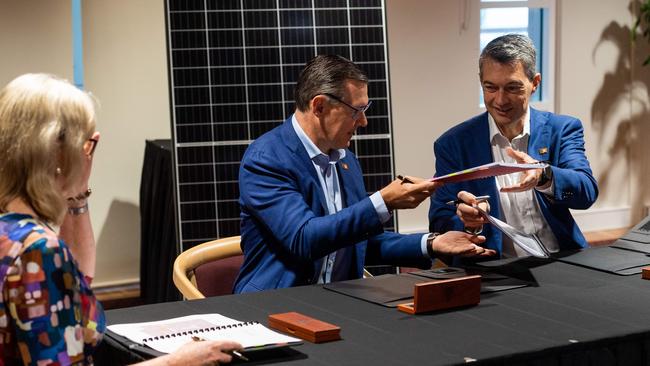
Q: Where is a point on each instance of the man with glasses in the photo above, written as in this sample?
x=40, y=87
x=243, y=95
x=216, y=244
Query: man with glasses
x=305, y=215
x=536, y=202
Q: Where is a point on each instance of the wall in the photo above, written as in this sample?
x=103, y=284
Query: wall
x=433, y=80
x=35, y=39
x=125, y=67
x=434, y=84
x=607, y=90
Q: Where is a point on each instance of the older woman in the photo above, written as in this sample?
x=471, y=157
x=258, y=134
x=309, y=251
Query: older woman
x=48, y=313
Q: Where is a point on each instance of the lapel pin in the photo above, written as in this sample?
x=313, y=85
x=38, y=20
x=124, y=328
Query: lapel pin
x=344, y=166
x=542, y=150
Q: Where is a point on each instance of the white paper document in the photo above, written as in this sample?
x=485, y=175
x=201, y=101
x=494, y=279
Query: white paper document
x=487, y=170
x=168, y=335
x=527, y=242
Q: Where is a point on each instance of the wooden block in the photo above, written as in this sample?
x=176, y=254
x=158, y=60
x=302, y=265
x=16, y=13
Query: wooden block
x=444, y=294
x=645, y=273
x=305, y=327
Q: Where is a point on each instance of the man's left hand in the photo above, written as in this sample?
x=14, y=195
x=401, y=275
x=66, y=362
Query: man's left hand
x=462, y=244
x=529, y=178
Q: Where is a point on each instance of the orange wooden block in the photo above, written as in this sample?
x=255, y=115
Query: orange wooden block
x=444, y=294
x=645, y=273
x=305, y=327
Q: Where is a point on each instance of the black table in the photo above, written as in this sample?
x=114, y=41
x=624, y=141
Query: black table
x=574, y=316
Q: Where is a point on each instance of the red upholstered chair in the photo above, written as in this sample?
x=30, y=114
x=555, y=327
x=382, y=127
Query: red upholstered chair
x=208, y=269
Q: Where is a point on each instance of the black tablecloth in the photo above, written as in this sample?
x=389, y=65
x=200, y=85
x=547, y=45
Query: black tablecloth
x=158, y=248
x=573, y=316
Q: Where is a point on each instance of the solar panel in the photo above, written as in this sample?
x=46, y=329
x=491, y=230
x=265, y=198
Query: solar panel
x=233, y=65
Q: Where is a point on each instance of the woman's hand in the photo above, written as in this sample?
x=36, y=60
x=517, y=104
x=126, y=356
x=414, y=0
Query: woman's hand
x=197, y=353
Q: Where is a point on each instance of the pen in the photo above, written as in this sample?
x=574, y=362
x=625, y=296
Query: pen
x=458, y=201
x=404, y=179
x=234, y=353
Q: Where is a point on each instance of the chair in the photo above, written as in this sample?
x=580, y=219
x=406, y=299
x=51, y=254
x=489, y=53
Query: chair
x=208, y=269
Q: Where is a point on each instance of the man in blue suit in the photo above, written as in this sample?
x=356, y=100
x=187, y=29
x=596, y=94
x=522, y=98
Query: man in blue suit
x=305, y=214
x=537, y=201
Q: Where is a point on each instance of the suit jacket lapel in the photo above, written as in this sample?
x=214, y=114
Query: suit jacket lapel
x=483, y=153
x=290, y=138
x=539, y=149
x=305, y=165
x=540, y=135
x=349, y=196
x=352, y=192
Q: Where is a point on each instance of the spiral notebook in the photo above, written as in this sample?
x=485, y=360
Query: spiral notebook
x=168, y=335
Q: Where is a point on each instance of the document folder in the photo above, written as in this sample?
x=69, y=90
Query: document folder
x=386, y=290
x=608, y=259
x=637, y=238
x=390, y=290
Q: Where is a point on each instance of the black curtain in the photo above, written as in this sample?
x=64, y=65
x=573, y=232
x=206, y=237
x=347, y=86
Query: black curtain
x=158, y=248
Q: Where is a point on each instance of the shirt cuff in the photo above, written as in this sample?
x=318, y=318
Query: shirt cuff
x=380, y=207
x=548, y=190
x=423, y=245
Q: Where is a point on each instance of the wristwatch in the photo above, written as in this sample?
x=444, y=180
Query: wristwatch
x=76, y=211
x=547, y=175
x=430, y=240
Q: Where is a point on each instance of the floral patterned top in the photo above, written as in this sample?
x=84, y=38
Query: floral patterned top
x=48, y=313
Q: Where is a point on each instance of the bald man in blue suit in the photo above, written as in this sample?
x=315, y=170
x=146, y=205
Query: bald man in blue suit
x=305, y=215
x=538, y=202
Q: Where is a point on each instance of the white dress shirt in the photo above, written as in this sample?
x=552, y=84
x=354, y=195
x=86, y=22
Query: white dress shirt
x=519, y=209
x=329, y=181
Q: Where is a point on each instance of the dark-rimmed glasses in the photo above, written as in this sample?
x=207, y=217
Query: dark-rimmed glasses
x=90, y=145
x=357, y=110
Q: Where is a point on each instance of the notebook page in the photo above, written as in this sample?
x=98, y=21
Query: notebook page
x=169, y=335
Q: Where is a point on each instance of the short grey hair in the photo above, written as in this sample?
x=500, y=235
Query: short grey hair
x=510, y=49
x=325, y=74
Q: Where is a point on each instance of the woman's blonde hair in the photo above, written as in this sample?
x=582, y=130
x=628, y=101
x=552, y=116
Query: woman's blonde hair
x=44, y=123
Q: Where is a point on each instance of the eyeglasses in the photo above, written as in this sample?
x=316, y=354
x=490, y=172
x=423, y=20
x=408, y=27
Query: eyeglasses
x=357, y=110
x=90, y=145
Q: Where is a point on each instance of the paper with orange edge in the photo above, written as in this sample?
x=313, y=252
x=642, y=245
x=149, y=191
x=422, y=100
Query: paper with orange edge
x=487, y=170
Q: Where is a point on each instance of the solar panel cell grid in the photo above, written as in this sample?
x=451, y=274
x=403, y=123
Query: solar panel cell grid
x=234, y=64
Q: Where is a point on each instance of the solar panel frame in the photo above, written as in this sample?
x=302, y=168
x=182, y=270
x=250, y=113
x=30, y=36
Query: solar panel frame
x=232, y=65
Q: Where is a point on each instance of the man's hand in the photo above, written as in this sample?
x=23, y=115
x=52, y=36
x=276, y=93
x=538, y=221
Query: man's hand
x=407, y=193
x=459, y=243
x=529, y=178
x=468, y=213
